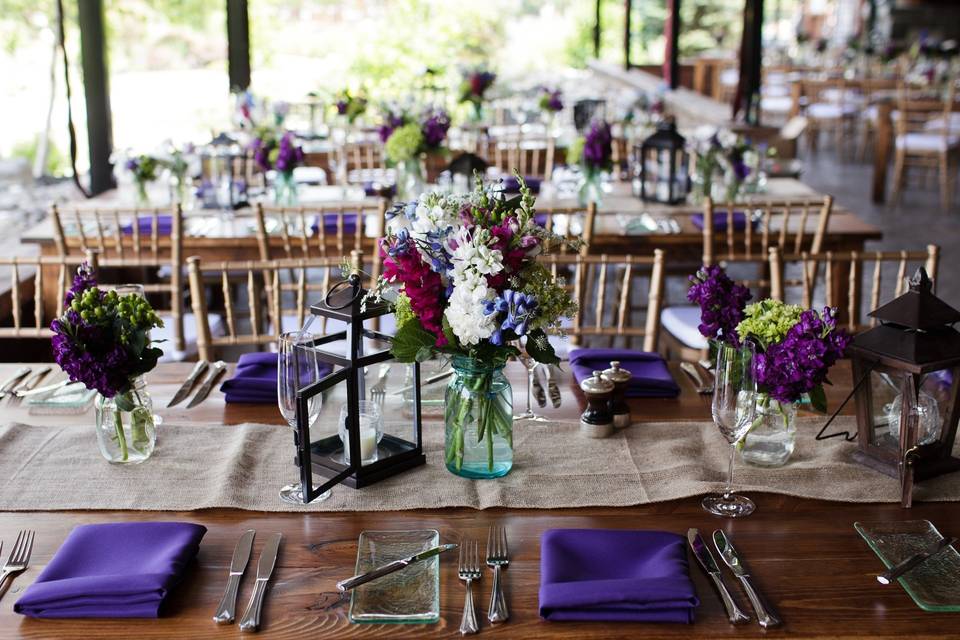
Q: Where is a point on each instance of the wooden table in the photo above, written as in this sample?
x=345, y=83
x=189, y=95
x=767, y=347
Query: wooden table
x=804, y=554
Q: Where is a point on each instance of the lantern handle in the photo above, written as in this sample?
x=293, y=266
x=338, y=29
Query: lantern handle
x=846, y=434
x=353, y=280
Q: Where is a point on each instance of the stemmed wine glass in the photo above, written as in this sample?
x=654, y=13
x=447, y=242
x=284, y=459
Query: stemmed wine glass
x=531, y=366
x=734, y=400
x=297, y=367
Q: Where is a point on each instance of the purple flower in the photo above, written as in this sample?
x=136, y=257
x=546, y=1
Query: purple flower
x=131, y=165
x=390, y=122
x=551, y=100
x=289, y=156
x=598, y=146
x=518, y=309
x=435, y=125
x=342, y=106
x=721, y=303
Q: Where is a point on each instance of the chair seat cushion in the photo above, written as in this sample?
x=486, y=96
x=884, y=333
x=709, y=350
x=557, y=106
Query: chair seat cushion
x=939, y=123
x=830, y=110
x=166, y=333
x=682, y=322
x=927, y=142
x=778, y=104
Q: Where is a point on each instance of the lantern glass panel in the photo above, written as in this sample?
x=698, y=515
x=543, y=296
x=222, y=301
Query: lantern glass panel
x=887, y=405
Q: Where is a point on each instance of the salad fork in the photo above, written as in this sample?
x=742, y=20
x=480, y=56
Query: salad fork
x=18, y=559
x=468, y=571
x=378, y=391
x=497, y=557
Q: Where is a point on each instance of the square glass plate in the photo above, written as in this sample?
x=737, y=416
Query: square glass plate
x=411, y=595
x=935, y=584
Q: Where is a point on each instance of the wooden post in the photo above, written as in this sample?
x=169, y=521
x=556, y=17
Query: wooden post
x=671, y=66
x=96, y=89
x=627, y=10
x=747, y=98
x=238, y=45
x=596, y=30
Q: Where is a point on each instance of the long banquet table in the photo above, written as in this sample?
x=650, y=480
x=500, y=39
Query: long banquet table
x=805, y=554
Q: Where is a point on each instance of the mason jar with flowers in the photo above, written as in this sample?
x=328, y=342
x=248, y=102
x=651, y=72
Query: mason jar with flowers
x=409, y=141
x=143, y=168
x=281, y=155
x=103, y=341
x=473, y=90
x=467, y=285
x=594, y=152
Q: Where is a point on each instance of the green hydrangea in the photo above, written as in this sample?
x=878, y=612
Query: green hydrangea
x=575, y=150
x=768, y=321
x=404, y=143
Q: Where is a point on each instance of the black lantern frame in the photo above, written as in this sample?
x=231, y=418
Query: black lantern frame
x=344, y=302
x=670, y=148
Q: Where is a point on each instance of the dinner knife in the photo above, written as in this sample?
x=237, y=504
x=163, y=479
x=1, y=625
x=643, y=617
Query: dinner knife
x=692, y=372
x=215, y=372
x=32, y=381
x=396, y=565
x=914, y=561
x=268, y=558
x=732, y=559
x=187, y=385
x=13, y=380
x=227, y=609
x=702, y=553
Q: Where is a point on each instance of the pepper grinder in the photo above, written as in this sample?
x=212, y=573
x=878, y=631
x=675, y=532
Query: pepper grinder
x=620, y=378
x=597, y=421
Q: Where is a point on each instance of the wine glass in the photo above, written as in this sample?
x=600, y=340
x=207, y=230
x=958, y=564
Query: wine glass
x=297, y=367
x=531, y=366
x=734, y=400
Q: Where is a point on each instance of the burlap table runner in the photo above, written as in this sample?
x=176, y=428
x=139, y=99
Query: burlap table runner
x=196, y=467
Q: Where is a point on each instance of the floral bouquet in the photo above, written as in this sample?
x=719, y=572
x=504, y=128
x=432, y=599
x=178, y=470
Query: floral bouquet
x=474, y=87
x=468, y=285
x=349, y=105
x=391, y=120
x=102, y=340
x=177, y=163
x=281, y=109
x=244, y=107
x=144, y=170
x=551, y=100
x=594, y=152
x=282, y=155
x=720, y=154
x=408, y=139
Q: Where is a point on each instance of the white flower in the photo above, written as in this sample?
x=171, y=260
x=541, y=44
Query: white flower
x=434, y=215
x=473, y=257
x=465, y=313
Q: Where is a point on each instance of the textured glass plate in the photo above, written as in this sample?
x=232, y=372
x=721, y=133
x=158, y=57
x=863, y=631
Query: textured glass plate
x=411, y=595
x=935, y=584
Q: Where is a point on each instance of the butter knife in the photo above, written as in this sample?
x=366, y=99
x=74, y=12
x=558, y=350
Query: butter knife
x=691, y=370
x=227, y=609
x=914, y=561
x=702, y=553
x=14, y=380
x=216, y=371
x=732, y=559
x=32, y=381
x=187, y=385
x=268, y=558
x=396, y=565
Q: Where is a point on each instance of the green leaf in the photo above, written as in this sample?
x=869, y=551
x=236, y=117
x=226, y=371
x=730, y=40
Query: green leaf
x=424, y=354
x=410, y=339
x=540, y=348
x=818, y=399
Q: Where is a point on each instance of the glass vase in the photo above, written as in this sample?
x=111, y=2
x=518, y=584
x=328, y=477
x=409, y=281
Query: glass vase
x=143, y=199
x=410, y=181
x=284, y=189
x=126, y=426
x=773, y=434
x=479, y=420
x=591, y=190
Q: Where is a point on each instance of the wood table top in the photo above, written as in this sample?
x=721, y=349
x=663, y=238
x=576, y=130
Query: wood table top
x=804, y=554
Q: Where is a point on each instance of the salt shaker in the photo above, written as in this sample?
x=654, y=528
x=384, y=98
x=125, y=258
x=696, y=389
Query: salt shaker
x=597, y=420
x=620, y=378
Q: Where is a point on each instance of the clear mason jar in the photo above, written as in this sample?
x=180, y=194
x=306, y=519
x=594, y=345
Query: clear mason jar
x=126, y=426
x=479, y=420
x=773, y=434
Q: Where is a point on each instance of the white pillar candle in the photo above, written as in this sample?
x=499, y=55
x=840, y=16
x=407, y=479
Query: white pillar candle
x=368, y=443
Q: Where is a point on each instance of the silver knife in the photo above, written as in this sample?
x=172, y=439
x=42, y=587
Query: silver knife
x=13, y=380
x=702, y=553
x=268, y=558
x=730, y=556
x=691, y=370
x=32, y=381
x=215, y=372
x=431, y=380
x=914, y=561
x=227, y=609
x=396, y=565
x=187, y=385
x=552, y=386
x=46, y=389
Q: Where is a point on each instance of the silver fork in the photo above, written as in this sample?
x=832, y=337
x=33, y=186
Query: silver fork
x=469, y=571
x=379, y=390
x=17, y=560
x=498, y=556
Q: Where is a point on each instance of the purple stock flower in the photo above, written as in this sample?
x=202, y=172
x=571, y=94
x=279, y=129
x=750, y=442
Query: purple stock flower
x=551, y=100
x=799, y=364
x=721, y=303
x=131, y=165
x=390, y=122
x=598, y=146
x=289, y=155
x=435, y=125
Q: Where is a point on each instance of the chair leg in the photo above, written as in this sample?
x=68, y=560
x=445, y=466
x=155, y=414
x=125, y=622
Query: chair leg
x=945, y=181
x=899, y=169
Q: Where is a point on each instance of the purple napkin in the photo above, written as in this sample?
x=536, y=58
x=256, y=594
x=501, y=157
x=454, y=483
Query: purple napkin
x=116, y=570
x=512, y=185
x=651, y=377
x=615, y=576
x=377, y=189
x=330, y=222
x=145, y=224
x=255, y=380
x=720, y=221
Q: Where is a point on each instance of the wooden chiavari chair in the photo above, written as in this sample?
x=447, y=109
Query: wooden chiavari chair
x=532, y=155
x=573, y=223
x=830, y=105
x=28, y=278
x=361, y=161
x=873, y=90
x=601, y=286
x=147, y=241
x=878, y=265
x=258, y=304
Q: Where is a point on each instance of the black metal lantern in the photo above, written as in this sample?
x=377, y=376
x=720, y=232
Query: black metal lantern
x=342, y=457
x=661, y=166
x=224, y=183
x=907, y=373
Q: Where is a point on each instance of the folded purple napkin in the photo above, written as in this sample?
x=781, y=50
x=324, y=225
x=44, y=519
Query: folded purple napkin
x=720, y=221
x=615, y=576
x=145, y=224
x=330, y=222
x=116, y=570
x=377, y=189
x=255, y=380
x=651, y=377
x=512, y=185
